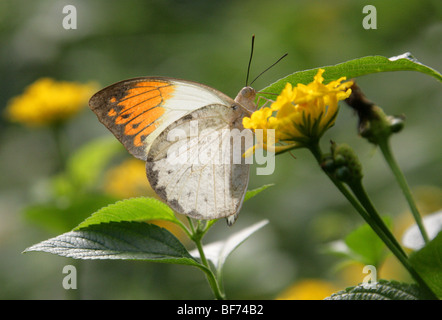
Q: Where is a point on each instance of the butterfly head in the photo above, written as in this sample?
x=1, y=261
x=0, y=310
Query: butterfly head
x=246, y=98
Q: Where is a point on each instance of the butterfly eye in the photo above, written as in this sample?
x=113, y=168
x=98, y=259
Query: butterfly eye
x=248, y=92
x=234, y=106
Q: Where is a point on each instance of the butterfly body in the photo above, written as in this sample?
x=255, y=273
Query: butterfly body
x=184, y=131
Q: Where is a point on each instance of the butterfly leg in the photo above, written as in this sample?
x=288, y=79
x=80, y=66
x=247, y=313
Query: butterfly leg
x=263, y=98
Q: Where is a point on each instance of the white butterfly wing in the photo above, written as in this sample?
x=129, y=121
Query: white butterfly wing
x=196, y=163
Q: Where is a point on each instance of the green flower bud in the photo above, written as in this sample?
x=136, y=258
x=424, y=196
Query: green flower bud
x=328, y=164
x=396, y=123
x=347, y=167
x=374, y=124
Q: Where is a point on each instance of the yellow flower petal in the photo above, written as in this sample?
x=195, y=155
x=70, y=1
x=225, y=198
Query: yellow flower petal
x=304, y=112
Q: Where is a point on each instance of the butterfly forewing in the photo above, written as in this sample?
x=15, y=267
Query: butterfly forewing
x=136, y=111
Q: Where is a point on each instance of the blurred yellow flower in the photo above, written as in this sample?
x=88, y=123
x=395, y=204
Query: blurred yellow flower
x=128, y=180
x=308, y=289
x=301, y=114
x=47, y=101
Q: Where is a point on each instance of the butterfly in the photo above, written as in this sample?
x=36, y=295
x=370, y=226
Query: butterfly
x=144, y=113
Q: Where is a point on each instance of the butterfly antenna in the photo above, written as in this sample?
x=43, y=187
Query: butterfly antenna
x=250, y=60
x=269, y=68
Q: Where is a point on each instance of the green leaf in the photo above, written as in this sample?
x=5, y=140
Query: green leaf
x=217, y=252
x=384, y=290
x=361, y=245
x=428, y=263
x=354, y=68
x=254, y=192
x=134, y=209
x=366, y=246
x=118, y=240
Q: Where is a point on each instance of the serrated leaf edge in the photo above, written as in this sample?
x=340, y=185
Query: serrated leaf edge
x=400, y=293
x=84, y=224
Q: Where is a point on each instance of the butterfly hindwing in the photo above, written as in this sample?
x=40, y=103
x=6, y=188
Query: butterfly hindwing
x=196, y=168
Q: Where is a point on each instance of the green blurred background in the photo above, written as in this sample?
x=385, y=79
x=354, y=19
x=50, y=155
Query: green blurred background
x=209, y=42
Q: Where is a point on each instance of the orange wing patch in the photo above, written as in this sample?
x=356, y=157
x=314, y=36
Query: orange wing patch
x=140, y=108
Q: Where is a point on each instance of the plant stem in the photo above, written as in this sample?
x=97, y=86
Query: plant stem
x=214, y=285
x=199, y=245
x=367, y=211
x=359, y=191
x=196, y=236
x=183, y=227
x=389, y=239
x=386, y=151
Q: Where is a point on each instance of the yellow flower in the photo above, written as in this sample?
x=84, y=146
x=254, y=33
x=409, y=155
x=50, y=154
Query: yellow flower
x=300, y=115
x=308, y=289
x=128, y=180
x=259, y=120
x=47, y=102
